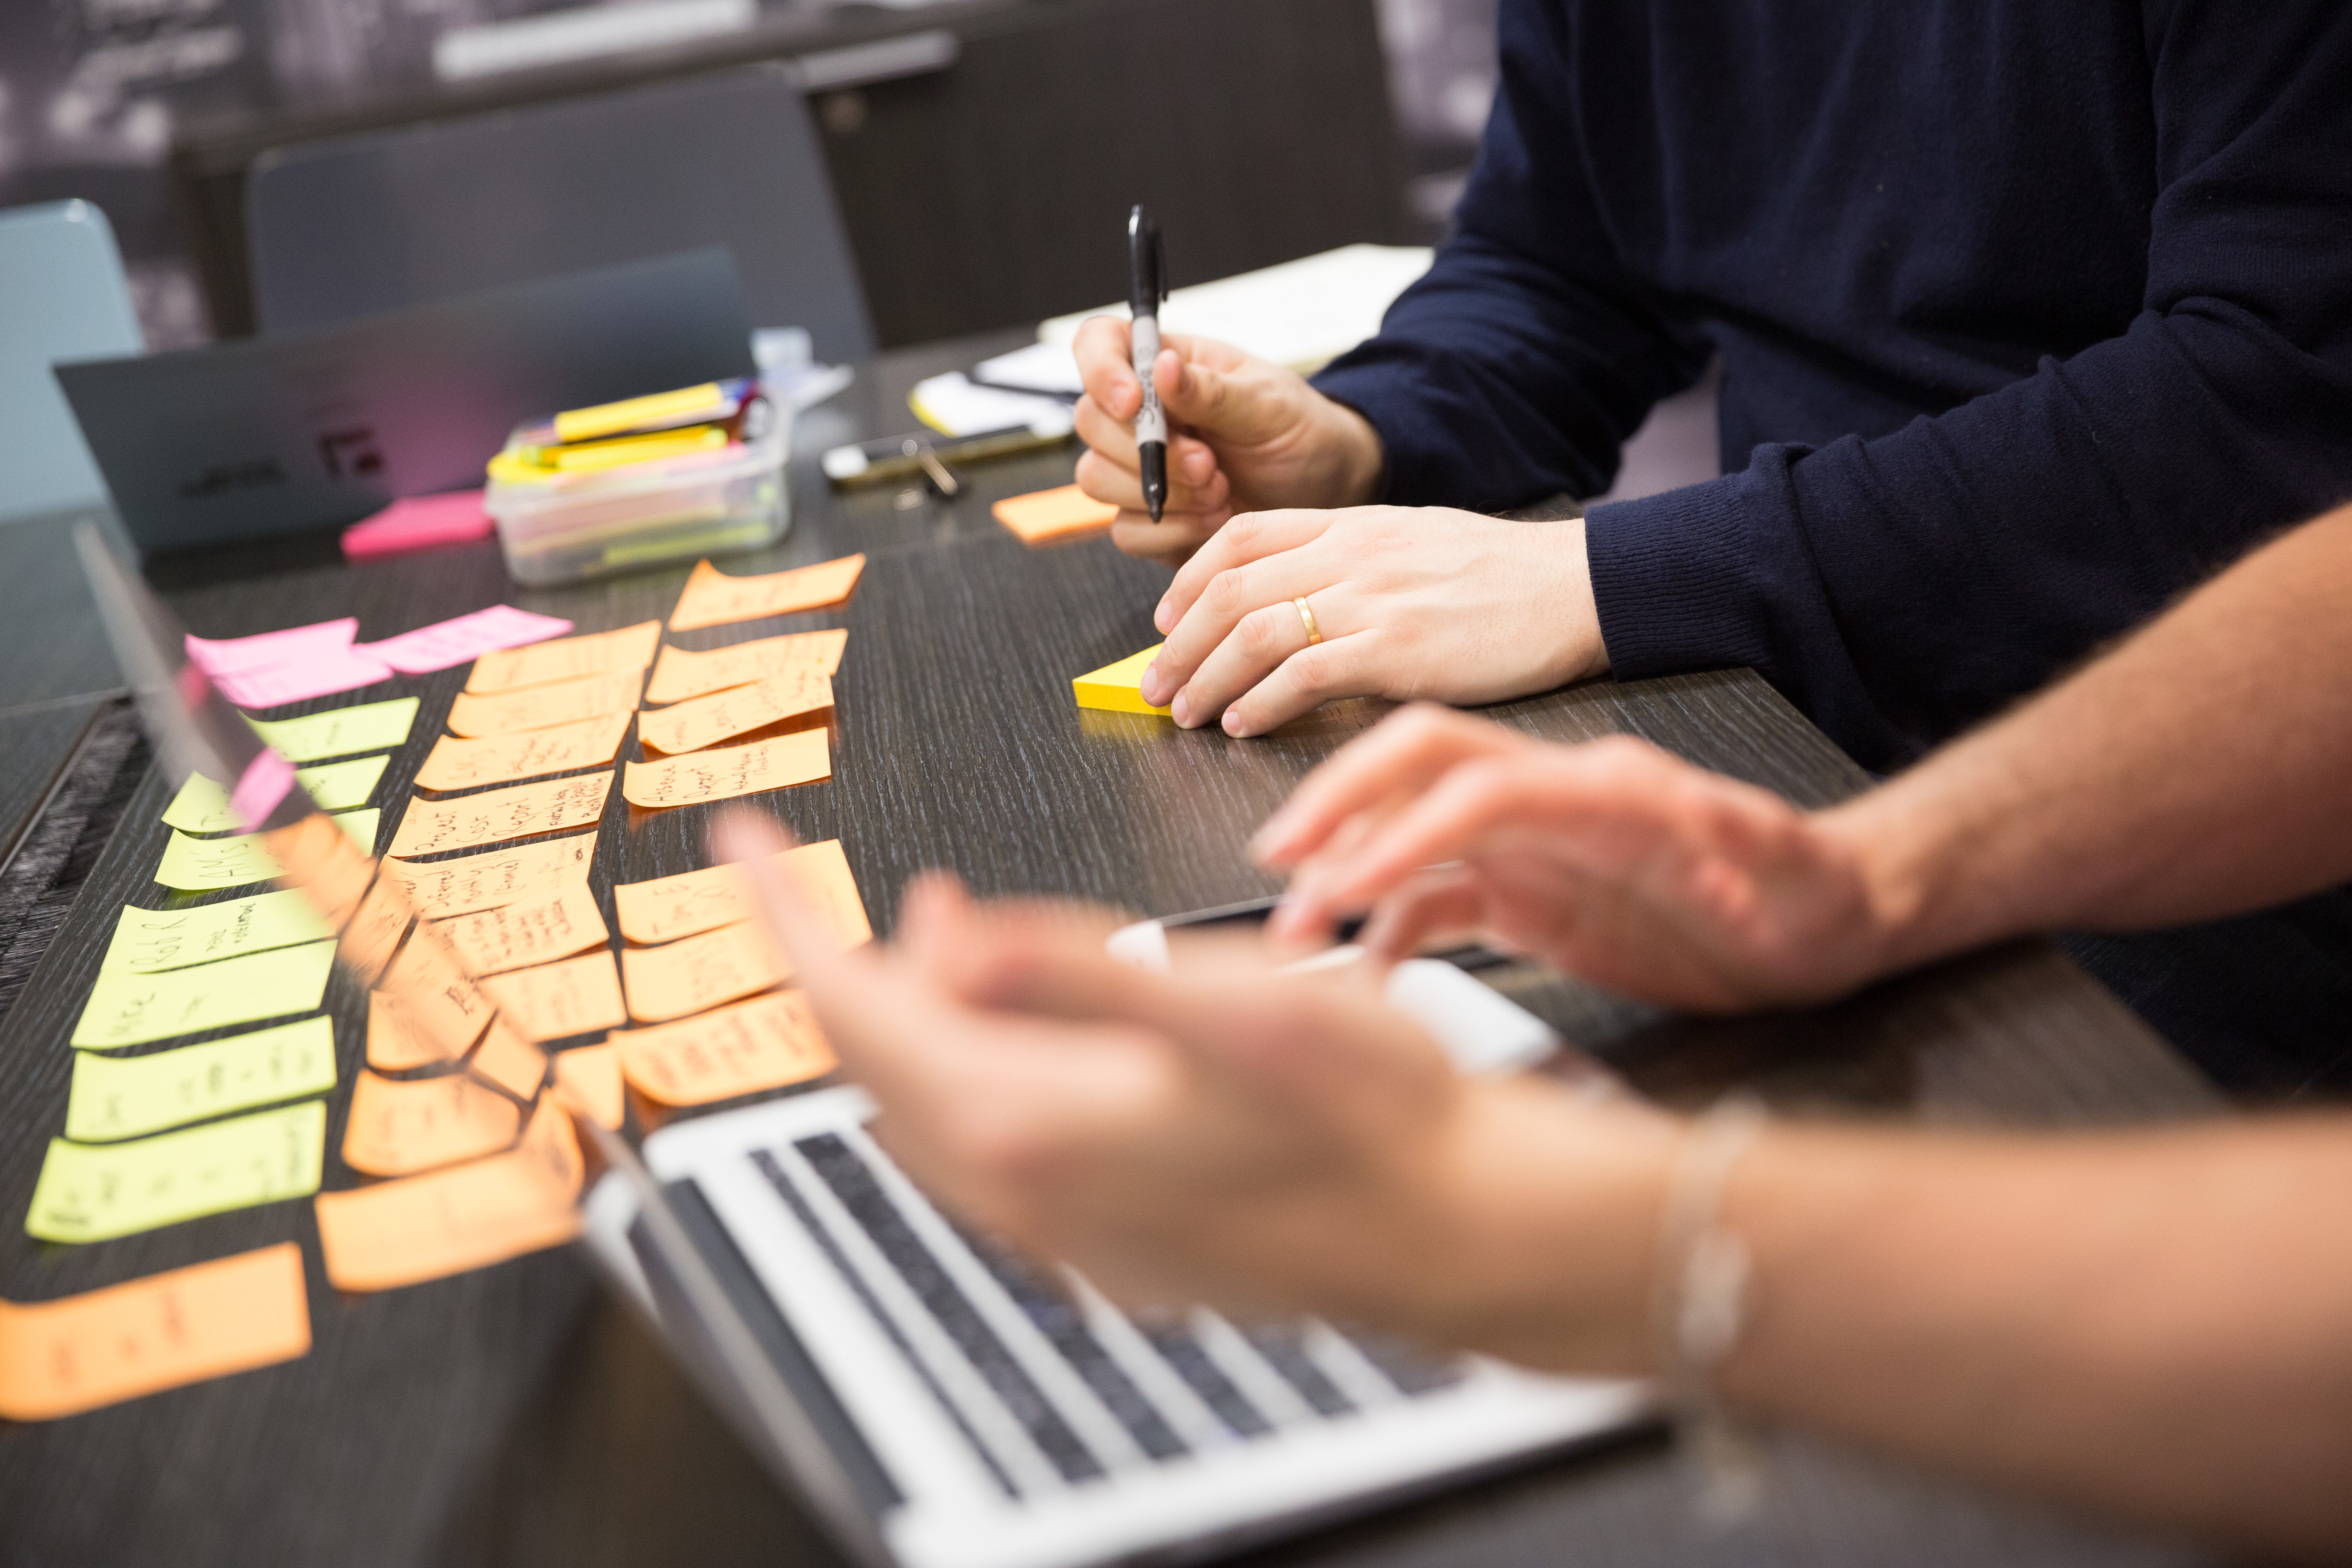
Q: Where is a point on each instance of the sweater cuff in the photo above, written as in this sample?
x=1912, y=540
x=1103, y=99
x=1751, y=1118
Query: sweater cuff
x=1677, y=579
x=1410, y=473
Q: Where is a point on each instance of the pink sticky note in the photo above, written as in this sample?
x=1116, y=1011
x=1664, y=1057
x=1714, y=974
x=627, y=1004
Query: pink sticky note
x=419, y=522
x=446, y=643
x=320, y=672
x=225, y=655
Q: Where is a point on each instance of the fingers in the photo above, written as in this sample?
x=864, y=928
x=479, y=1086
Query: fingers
x=1105, y=352
x=1336, y=667
x=1252, y=537
x=1254, y=649
x=1405, y=753
x=1171, y=541
x=1107, y=481
x=1441, y=902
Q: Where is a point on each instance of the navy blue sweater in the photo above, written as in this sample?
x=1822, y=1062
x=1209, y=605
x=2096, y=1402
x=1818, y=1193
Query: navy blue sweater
x=2032, y=316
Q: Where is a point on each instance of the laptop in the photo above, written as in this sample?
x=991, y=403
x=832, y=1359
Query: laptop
x=984, y=1411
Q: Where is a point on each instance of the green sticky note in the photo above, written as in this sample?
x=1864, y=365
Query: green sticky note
x=340, y=731
x=148, y=942
x=129, y=1009
x=208, y=865
x=201, y=806
x=87, y=1194
x=125, y=1097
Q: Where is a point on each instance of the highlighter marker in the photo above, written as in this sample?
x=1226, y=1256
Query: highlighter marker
x=1146, y=276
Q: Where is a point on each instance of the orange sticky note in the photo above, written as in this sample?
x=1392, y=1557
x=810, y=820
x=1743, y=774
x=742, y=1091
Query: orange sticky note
x=556, y=1001
x=317, y=857
x=1043, y=516
x=470, y=882
x=390, y=1047
x=668, y=908
x=429, y=827
x=566, y=658
x=505, y=1060
x=545, y=707
x=591, y=1078
x=400, y=1126
x=467, y=1216
x=712, y=598
x=703, y=721
x=382, y=920
x=168, y=1330
x=538, y=930
x=435, y=1004
x=696, y=973
x=802, y=757
x=765, y=1043
x=456, y=764
x=682, y=673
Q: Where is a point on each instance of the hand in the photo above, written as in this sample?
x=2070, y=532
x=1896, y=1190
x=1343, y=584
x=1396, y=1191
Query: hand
x=1611, y=859
x=1412, y=603
x=1265, y=1143
x=1244, y=435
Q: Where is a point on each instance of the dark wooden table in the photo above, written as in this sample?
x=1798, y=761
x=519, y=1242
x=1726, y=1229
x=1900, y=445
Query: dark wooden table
x=517, y=1415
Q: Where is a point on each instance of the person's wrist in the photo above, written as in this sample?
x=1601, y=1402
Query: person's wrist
x=1902, y=864
x=1356, y=459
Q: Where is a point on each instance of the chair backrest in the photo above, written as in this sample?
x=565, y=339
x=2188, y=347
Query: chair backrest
x=346, y=228
x=62, y=279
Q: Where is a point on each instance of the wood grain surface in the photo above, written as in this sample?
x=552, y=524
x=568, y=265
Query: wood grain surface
x=515, y=1415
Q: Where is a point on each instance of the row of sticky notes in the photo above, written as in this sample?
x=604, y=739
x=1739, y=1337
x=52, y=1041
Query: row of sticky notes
x=277, y=667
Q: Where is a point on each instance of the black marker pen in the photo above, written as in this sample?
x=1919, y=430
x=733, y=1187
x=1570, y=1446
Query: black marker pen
x=1147, y=274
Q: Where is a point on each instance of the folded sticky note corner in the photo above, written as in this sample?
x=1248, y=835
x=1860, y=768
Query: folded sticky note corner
x=1119, y=688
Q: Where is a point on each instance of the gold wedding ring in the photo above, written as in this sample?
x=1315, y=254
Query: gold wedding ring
x=1307, y=619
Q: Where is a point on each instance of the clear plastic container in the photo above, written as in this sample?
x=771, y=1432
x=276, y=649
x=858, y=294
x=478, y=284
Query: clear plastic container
x=574, y=526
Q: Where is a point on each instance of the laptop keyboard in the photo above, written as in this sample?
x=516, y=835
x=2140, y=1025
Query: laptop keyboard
x=1092, y=1390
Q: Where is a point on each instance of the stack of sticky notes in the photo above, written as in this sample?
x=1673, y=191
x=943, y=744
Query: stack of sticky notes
x=689, y=421
x=1119, y=688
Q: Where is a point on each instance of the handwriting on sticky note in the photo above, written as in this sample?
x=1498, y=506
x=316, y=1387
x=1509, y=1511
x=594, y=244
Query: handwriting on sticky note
x=545, y=707
x=1044, y=516
x=400, y=1126
x=456, y=764
x=95, y=1191
x=506, y=1059
x=1118, y=687
x=319, y=860
x=556, y=1001
x=232, y=1314
x=467, y=1216
x=494, y=815
x=206, y=865
x=537, y=930
x=696, y=973
x=126, y=1008
x=340, y=731
x=471, y=882
x=128, y=1097
x=390, y=1047
x=567, y=658
x=682, y=673
x=668, y=908
x=319, y=675
x=453, y=642
x=712, y=598
x=149, y=941
x=701, y=721
x=802, y=757
x=226, y=656
x=765, y=1043
x=590, y=1080
x=373, y=933
x=440, y=1009
x=201, y=806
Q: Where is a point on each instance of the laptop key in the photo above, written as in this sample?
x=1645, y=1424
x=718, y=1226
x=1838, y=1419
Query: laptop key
x=1416, y=1372
x=1283, y=1347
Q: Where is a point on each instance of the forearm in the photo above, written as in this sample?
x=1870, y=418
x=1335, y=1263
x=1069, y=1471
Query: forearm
x=2158, y=1325
x=2197, y=771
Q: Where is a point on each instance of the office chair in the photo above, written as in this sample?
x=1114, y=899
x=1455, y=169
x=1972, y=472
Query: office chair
x=66, y=300
x=356, y=224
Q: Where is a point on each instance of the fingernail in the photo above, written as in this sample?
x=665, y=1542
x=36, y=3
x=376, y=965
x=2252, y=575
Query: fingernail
x=1180, y=711
x=1233, y=723
x=1151, y=684
x=1198, y=465
x=1161, y=620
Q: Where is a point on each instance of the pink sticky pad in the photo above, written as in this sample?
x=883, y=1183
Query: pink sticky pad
x=419, y=522
x=329, y=670
x=263, y=784
x=446, y=643
x=225, y=656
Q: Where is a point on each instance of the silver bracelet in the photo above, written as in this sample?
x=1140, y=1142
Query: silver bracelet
x=1702, y=1305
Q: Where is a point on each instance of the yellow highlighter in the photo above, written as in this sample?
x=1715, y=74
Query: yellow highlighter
x=687, y=405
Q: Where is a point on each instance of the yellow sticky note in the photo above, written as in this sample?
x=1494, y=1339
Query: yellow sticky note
x=206, y=865
x=1119, y=688
x=128, y=1097
x=149, y=941
x=93, y=1193
x=201, y=806
x=129, y=1009
x=340, y=731
x=61, y=1357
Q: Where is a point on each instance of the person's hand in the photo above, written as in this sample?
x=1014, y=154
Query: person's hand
x=1409, y=603
x=1611, y=859
x=1264, y=1143
x=1243, y=434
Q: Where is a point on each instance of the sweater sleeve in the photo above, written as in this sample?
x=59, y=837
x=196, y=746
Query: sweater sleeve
x=1519, y=364
x=1900, y=588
